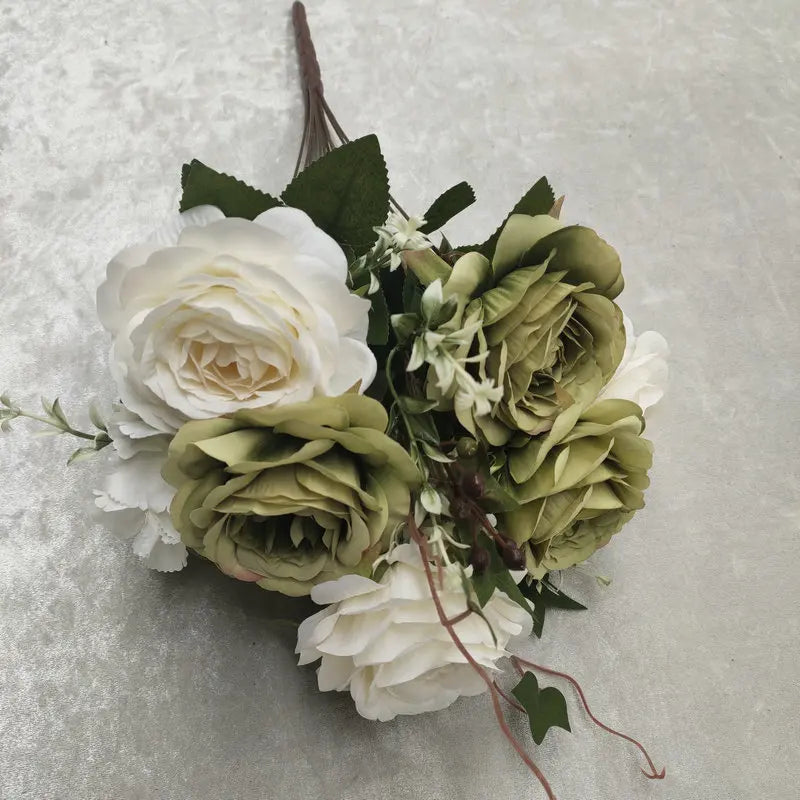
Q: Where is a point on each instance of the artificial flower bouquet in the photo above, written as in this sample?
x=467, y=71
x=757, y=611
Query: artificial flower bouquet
x=322, y=395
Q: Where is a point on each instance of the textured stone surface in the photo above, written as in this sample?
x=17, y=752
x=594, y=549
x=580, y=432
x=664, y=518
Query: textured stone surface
x=672, y=127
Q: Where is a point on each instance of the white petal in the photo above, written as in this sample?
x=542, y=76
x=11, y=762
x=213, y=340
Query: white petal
x=642, y=374
x=136, y=482
x=167, y=235
x=299, y=228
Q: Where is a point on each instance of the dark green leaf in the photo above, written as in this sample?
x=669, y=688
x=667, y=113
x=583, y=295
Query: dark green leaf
x=447, y=205
x=538, y=199
x=546, y=708
x=205, y=186
x=378, y=332
x=412, y=293
x=497, y=576
x=543, y=596
x=346, y=193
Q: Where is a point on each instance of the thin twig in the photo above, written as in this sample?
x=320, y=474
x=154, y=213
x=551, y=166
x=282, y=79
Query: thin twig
x=654, y=774
x=419, y=540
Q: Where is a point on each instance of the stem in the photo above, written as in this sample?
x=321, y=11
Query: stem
x=317, y=137
x=419, y=540
x=65, y=429
x=654, y=774
x=409, y=430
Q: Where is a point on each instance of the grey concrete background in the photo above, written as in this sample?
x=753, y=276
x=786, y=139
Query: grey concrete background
x=672, y=127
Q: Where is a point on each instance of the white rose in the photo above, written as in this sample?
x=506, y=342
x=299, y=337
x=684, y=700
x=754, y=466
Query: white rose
x=139, y=496
x=384, y=643
x=642, y=374
x=216, y=314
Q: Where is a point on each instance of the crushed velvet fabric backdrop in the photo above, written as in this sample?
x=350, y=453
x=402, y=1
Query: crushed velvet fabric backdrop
x=672, y=127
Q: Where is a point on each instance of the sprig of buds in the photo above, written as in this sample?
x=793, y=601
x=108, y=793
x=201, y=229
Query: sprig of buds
x=58, y=424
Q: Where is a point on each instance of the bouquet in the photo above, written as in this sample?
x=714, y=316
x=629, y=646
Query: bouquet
x=322, y=395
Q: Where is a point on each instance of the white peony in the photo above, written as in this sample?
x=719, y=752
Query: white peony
x=384, y=643
x=217, y=314
x=642, y=373
x=140, y=496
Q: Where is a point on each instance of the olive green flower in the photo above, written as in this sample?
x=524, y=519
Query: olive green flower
x=291, y=496
x=577, y=485
x=551, y=335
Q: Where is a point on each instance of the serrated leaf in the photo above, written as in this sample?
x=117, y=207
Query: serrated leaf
x=205, y=186
x=447, y=205
x=546, y=708
x=345, y=192
x=539, y=199
x=81, y=454
x=378, y=332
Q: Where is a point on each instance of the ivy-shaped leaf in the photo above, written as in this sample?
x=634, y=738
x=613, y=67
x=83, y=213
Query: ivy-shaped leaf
x=447, y=205
x=346, y=193
x=546, y=708
x=539, y=199
x=205, y=186
x=544, y=595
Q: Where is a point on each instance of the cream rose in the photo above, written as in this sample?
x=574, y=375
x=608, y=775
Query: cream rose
x=218, y=314
x=382, y=640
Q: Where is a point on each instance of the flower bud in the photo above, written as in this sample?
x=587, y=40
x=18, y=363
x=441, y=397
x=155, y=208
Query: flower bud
x=466, y=447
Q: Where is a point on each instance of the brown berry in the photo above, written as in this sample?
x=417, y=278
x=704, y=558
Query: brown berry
x=480, y=559
x=473, y=486
x=513, y=557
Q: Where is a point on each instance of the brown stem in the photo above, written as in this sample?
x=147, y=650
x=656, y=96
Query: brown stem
x=317, y=137
x=654, y=774
x=419, y=540
x=510, y=700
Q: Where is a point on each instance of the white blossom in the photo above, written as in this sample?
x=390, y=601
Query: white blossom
x=383, y=642
x=232, y=314
x=139, y=497
x=642, y=374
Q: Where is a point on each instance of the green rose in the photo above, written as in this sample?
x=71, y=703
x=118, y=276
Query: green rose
x=551, y=334
x=291, y=496
x=577, y=485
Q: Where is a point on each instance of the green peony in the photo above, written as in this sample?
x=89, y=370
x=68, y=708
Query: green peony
x=578, y=485
x=550, y=331
x=291, y=496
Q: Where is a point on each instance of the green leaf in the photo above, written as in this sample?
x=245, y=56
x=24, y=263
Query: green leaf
x=346, y=193
x=234, y=198
x=447, y=205
x=544, y=595
x=412, y=293
x=497, y=576
x=416, y=405
x=378, y=332
x=546, y=708
x=82, y=454
x=539, y=199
